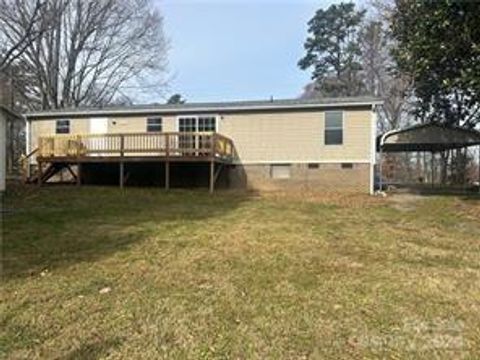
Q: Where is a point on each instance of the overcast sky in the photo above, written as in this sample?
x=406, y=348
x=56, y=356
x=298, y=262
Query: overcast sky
x=237, y=49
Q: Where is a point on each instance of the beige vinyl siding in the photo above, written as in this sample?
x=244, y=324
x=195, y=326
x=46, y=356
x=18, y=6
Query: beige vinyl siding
x=47, y=128
x=82, y=126
x=259, y=137
x=297, y=136
x=138, y=124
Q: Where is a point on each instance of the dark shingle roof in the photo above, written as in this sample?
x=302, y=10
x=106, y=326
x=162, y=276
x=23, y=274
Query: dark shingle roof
x=210, y=107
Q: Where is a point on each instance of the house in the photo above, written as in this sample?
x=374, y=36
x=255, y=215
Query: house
x=322, y=144
x=8, y=120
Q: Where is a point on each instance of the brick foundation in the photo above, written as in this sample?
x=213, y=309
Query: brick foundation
x=318, y=177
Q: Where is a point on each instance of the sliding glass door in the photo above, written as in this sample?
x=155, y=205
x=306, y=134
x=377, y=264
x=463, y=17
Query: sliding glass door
x=191, y=127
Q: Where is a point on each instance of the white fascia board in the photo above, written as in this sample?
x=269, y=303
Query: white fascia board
x=106, y=112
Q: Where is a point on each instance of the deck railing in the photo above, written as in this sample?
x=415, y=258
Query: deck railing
x=164, y=144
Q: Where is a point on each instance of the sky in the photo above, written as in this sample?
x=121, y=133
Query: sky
x=223, y=50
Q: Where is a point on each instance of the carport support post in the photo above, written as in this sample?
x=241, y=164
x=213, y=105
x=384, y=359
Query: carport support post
x=121, y=174
x=432, y=165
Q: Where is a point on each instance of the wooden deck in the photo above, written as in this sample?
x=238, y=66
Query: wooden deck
x=164, y=146
x=60, y=151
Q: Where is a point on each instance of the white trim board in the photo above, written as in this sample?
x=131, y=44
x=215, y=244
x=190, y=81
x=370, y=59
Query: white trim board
x=274, y=162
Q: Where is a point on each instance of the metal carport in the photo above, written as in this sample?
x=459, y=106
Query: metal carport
x=431, y=138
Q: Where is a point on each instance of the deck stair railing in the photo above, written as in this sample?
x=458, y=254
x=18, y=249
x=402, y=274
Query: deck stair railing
x=25, y=164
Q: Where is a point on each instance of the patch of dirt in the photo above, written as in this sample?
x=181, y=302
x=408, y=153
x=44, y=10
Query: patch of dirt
x=469, y=208
x=346, y=200
x=405, y=202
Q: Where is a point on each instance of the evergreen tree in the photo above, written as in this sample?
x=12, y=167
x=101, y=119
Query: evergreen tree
x=438, y=46
x=176, y=99
x=333, y=51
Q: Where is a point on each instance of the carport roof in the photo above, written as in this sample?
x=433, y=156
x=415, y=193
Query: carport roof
x=427, y=137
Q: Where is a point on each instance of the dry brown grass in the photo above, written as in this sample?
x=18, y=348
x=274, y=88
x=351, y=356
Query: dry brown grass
x=349, y=200
x=277, y=276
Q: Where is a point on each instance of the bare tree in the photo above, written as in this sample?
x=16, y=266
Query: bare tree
x=20, y=25
x=380, y=77
x=91, y=51
x=383, y=80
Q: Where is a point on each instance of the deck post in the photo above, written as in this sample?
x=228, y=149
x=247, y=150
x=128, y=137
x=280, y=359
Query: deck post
x=167, y=162
x=213, y=144
x=122, y=145
x=167, y=146
x=121, y=174
x=79, y=174
x=167, y=175
x=40, y=173
x=212, y=176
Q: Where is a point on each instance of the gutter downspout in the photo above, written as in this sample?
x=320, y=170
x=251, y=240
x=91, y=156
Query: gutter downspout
x=373, y=148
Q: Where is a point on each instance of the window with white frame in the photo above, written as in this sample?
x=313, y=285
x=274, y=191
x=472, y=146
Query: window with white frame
x=333, y=127
x=206, y=123
x=187, y=124
x=62, y=126
x=197, y=123
x=154, y=124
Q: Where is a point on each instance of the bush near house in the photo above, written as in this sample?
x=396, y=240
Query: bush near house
x=100, y=273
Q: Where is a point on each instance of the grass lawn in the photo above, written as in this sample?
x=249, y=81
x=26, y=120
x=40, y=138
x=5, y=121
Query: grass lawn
x=98, y=273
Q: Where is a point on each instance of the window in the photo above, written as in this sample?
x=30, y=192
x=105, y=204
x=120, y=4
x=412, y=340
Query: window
x=206, y=123
x=280, y=171
x=62, y=127
x=154, y=124
x=197, y=124
x=187, y=124
x=313, y=166
x=333, y=128
x=347, y=166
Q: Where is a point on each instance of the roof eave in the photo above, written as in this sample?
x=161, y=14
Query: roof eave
x=77, y=113
x=10, y=112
